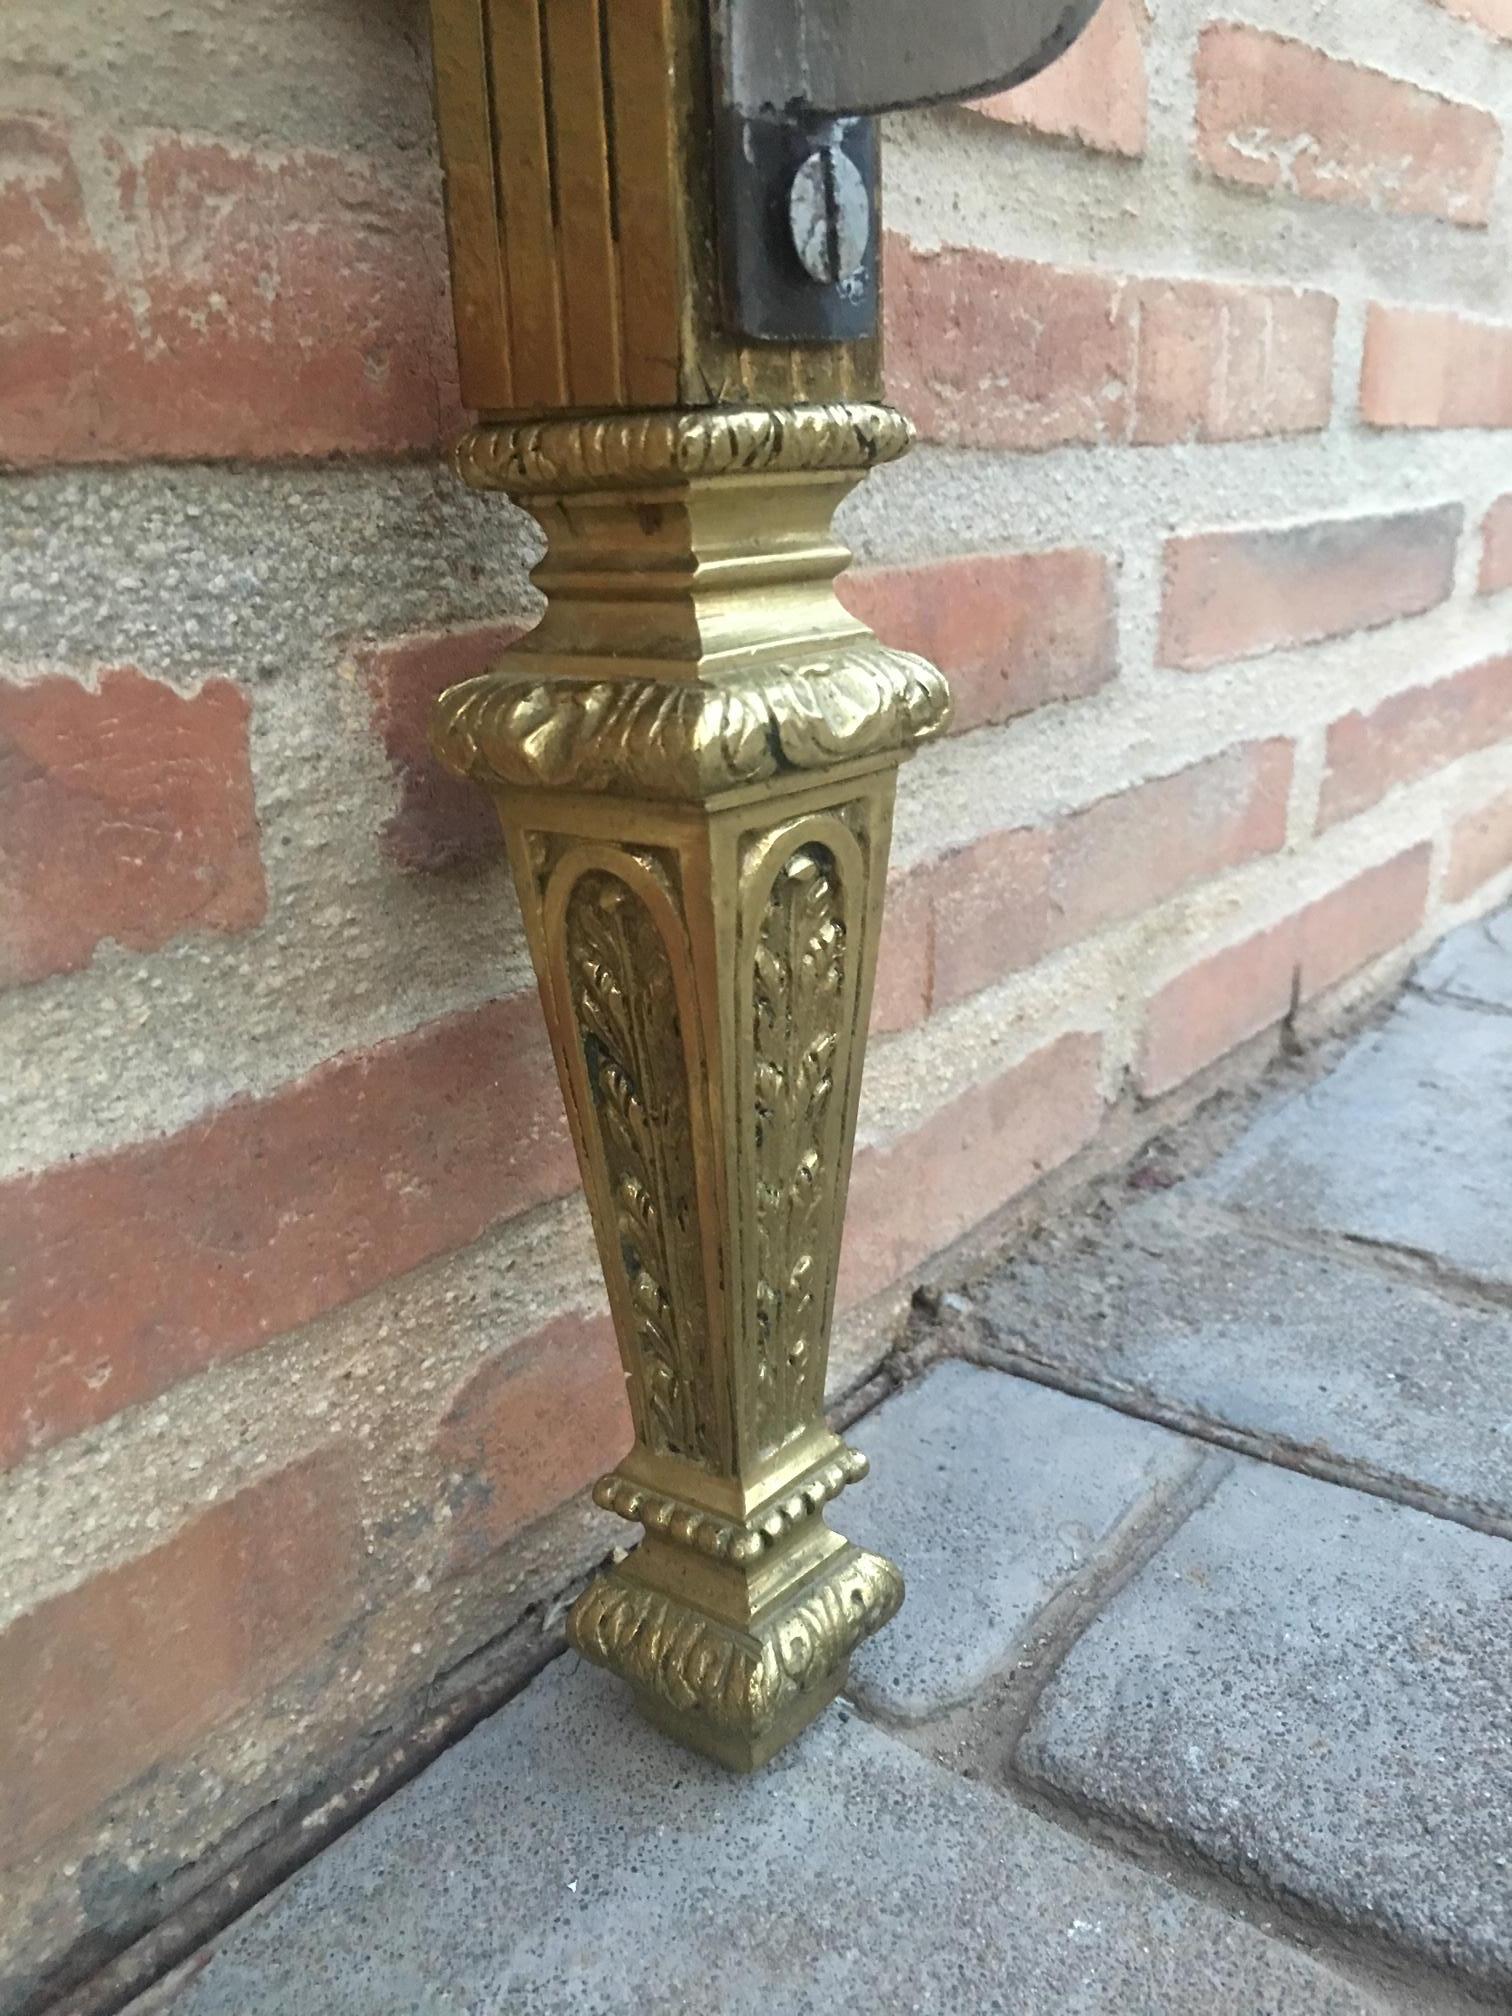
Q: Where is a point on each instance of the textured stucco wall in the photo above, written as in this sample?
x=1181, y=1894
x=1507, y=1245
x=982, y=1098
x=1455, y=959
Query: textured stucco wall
x=306, y=1345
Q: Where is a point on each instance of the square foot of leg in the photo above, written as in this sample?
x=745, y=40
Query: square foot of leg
x=735, y=1691
x=726, y=1746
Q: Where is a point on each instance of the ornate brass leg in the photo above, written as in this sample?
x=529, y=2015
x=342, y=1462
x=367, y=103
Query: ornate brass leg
x=694, y=759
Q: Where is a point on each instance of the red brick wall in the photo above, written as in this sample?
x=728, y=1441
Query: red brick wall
x=1208, y=336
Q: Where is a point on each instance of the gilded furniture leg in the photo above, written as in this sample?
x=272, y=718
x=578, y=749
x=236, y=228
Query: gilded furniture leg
x=694, y=759
x=665, y=231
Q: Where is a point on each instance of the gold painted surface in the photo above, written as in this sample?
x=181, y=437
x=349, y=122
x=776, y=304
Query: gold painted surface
x=618, y=970
x=582, y=125
x=642, y=88
x=524, y=147
x=600, y=451
x=474, y=224
x=693, y=757
x=799, y=994
x=738, y=1540
x=683, y=739
x=736, y=1690
x=577, y=141
x=697, y=791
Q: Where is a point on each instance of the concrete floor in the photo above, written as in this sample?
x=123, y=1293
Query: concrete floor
x=1198, y=1698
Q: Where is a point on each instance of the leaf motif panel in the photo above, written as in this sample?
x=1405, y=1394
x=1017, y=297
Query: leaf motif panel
x=799, y=1017
x=625, y=1005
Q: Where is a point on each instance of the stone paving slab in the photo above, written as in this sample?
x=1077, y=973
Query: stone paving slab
x=564, y=1860
x=1407, y=1143
x=1473, y=963
x=1178, y=1307
x=1308, y=1687
x=989, y=1492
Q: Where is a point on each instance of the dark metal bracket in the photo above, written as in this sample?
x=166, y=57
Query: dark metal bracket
x=798, y=235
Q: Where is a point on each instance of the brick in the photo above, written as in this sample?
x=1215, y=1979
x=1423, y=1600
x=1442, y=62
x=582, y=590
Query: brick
x=180, y=297
x=441, y=821
x=125, y=1670
x=1495, y=16
x=905, y=958
x=125, y=813
x=1096, y=92
x=1480, y=846
x=1371, y=915
x=1011, y=631
x=1223, y=1000
x=1015, y=897
x=991, y=908
x=1273, y=113
x=987, y=352
x=1413, y=733
x=1234, y=594
x=1231, y=363
x=1217, y=1004
x=136, y=1269
x=1425, y=367
x=913, y=1196
x=1496, y=548
x=533, y=1425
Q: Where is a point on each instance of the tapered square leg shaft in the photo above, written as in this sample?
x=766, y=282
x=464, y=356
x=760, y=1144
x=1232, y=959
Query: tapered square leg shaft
x=698, y=820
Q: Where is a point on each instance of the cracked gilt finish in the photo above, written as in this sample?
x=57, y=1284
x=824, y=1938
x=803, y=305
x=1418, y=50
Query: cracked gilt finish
x=694, y=759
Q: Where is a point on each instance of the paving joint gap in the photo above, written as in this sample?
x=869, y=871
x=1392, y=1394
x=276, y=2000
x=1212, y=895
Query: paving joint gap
x=1134, y=1542
x=1278, y=1451
x=1051, y=1633
x=1371, y=1962
x=1455, y=1000
x=506, y=1666
x=978, y=1739
x=1416, y=1266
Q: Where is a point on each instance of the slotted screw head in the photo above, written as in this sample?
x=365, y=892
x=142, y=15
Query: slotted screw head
x=829, y=216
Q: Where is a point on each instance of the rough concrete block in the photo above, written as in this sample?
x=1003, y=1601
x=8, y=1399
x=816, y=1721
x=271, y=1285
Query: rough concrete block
x=565, y=1861
x=1307, y=1687
x=989, y=1493
x=1182, y=1309
x=1473, y=964
x=1406, y=1144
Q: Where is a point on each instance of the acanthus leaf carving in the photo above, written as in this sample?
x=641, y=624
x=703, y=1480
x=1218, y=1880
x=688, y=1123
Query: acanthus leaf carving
x=737, y=1680
x=688, y=739
x=798, y=1013
x=625, y=1004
